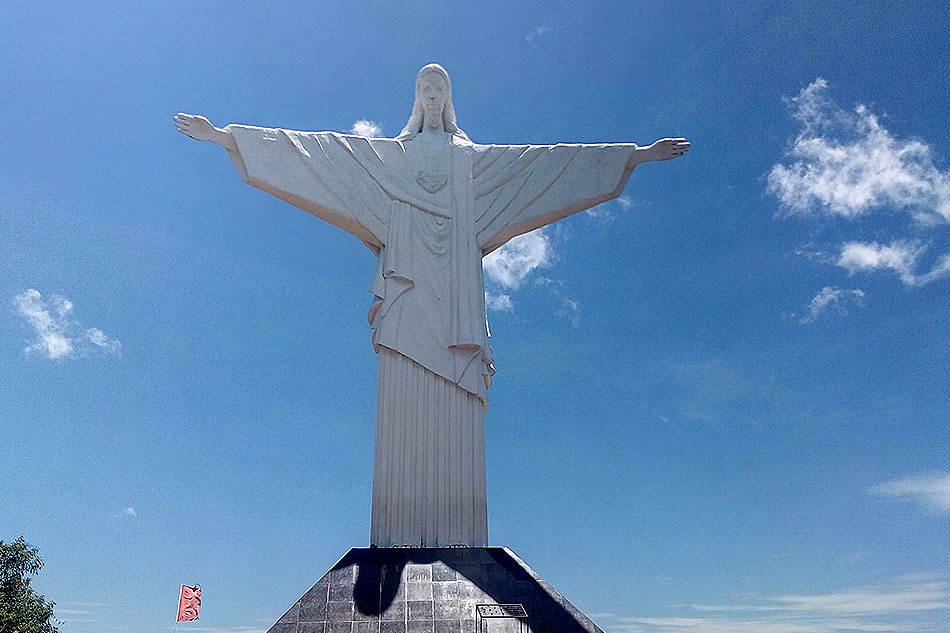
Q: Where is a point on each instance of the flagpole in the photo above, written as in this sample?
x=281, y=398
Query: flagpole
x=177, y=608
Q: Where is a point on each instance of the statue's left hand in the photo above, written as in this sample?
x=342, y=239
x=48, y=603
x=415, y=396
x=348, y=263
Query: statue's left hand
x=666, y=148
x=201, y=129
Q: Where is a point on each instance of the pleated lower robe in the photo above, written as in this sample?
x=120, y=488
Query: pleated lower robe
x=429, y=470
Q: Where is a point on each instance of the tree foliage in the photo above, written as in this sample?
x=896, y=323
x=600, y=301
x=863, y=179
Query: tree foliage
x=22, y=610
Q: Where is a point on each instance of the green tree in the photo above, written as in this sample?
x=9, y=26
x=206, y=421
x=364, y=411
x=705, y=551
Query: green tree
x=22, y=610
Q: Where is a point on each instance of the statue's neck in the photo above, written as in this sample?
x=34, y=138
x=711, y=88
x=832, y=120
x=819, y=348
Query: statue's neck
x=431, y=134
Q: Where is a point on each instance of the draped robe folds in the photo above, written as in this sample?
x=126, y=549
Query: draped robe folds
x=428, y=310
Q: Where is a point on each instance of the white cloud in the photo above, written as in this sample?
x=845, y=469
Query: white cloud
x=127, y=513
x=538, y=32
x=900, y=256
x=601, y=212
x=58, y=337
x=499, y=302
x=365, y=127
x=906, y=604
x=605, y=212
x=570, y=310
x=830, y=298
x=71, y=612
x=900, y=595
x=512, y=263
x=931, y=490
x=847, y=164
x=97, y=337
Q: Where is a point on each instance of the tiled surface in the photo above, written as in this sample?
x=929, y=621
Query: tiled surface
x=377, y=590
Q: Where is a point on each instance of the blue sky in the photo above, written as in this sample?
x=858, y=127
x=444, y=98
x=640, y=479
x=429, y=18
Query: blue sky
x=721, y=400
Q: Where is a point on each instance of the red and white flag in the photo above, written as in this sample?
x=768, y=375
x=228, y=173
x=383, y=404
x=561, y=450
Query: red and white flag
x=189, y=603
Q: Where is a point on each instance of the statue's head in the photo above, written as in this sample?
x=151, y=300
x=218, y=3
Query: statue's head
x=433, y=103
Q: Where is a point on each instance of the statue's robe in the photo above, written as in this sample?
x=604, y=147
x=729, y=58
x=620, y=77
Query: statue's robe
x=430, y=224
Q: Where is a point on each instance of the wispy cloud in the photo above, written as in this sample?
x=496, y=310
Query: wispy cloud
x=538, y=32
x=512, y=263
x=365, y=127
x=836, y=299
x=58, y=336
x=507, y=269
x=908, y=604
x=570, y=310
x=71, y=611
x=900, y=256
x=930, y=489
x=127, y=512
x=625, y=202
x=605, y=212
x=499, y=302
x=847, y=164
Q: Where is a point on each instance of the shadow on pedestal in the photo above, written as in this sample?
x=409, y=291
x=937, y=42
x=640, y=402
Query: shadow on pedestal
x=376, y=590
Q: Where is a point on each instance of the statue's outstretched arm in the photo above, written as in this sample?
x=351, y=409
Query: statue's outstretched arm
x=201, y=129
x=522, y=188
x=313, y=171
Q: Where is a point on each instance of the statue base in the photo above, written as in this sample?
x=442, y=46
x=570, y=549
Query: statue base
x=432, y=590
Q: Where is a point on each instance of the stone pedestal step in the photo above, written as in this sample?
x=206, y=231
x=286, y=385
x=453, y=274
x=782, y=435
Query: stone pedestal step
x=438, y=590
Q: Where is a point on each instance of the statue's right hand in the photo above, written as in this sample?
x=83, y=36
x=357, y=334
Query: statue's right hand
x=194, y=126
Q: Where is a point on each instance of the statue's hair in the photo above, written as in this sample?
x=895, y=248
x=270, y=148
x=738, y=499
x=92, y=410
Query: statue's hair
x=417, y=118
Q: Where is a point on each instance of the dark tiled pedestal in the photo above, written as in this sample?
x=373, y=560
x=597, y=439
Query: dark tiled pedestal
x=375, y=590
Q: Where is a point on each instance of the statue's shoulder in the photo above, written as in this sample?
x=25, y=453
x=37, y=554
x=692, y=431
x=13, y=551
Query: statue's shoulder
x=482, y=149
x=460, y=143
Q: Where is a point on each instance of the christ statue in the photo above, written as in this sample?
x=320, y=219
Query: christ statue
x=430, y=204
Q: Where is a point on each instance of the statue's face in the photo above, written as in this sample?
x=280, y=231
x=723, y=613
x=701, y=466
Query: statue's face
x=432, y=90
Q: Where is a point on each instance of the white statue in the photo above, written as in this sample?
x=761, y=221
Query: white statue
x=430, y=204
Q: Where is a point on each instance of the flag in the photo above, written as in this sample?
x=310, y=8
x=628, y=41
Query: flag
x=189, y=603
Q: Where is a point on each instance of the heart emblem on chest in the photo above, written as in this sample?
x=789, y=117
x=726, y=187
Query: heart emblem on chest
x=432, y=181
